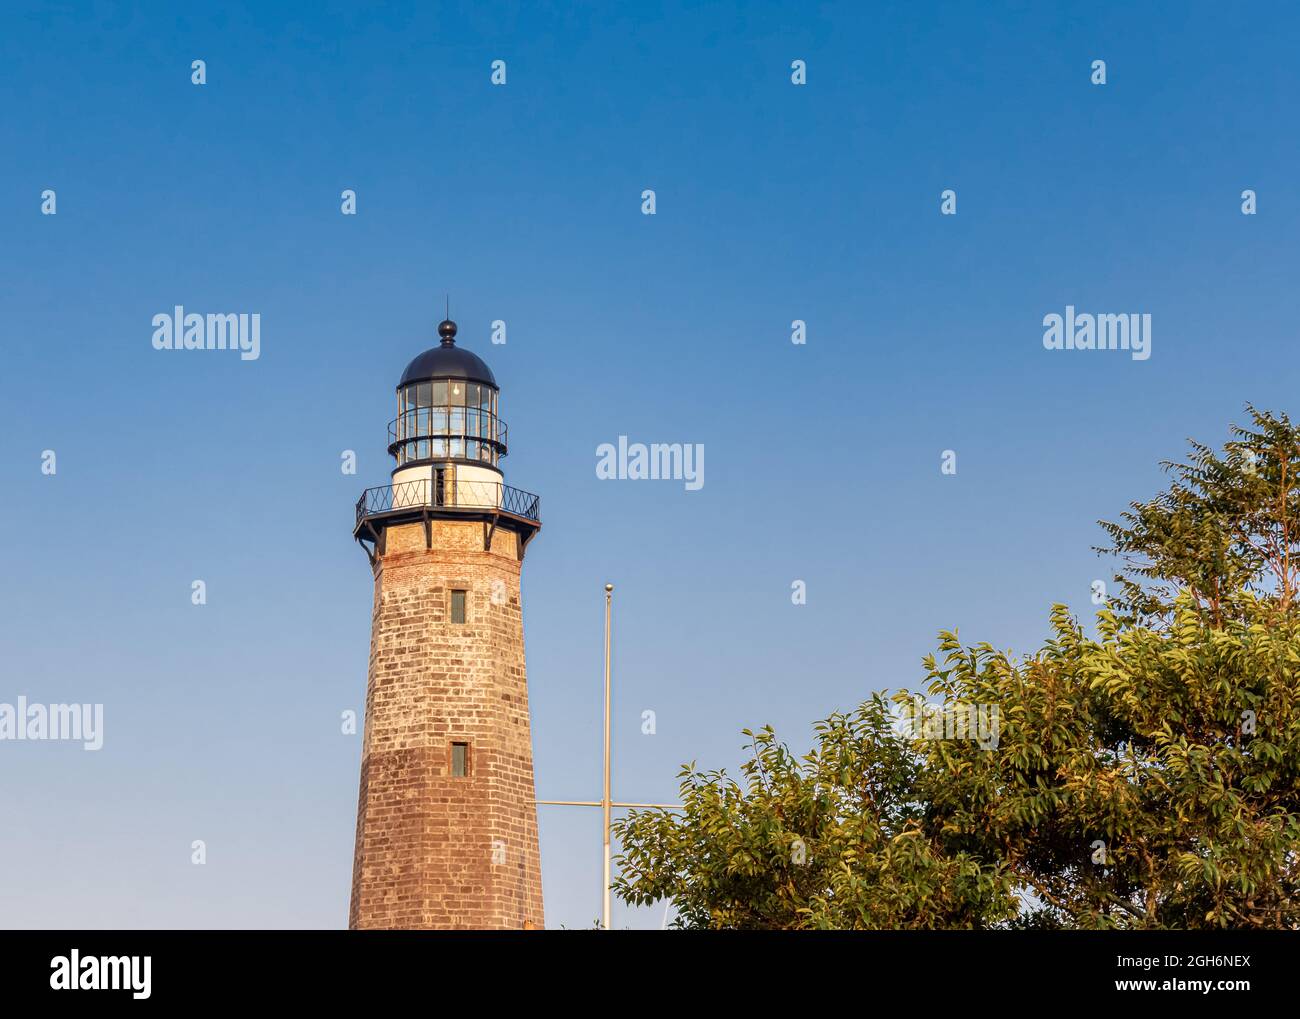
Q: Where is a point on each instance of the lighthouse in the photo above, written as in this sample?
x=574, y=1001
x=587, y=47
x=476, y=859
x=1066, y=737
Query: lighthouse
x=447, y=815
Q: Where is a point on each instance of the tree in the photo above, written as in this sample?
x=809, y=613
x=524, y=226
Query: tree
x=1228, y=522
x=1148, y=777
x=837, y=839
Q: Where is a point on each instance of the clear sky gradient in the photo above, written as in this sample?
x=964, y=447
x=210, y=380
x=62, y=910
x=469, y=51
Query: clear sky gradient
x=774, y=203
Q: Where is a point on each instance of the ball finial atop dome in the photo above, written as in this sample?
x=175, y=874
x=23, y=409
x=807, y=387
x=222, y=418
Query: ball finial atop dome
x=447, y=330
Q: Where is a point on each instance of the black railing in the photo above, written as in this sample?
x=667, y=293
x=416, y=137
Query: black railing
x=439, y=429
x=521, y=503
x=453, y=494
x=423, y=424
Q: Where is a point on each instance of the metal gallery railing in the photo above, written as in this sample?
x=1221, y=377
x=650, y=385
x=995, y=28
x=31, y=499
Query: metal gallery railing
x=419, y=436
x=453, y=494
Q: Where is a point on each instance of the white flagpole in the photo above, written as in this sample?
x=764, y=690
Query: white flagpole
x=605, y=801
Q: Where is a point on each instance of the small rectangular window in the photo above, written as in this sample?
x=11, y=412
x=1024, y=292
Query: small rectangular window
x=459, y=760
x=458, y=606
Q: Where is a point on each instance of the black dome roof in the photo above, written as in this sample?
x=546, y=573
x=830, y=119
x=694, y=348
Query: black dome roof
x=448, y=361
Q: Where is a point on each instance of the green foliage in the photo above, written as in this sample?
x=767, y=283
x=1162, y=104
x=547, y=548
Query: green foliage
x=836, y=839
x=1145, y=778
x=1227, y=523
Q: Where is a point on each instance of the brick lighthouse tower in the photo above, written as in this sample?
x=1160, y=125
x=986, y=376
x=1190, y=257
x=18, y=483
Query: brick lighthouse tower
x=447, y=819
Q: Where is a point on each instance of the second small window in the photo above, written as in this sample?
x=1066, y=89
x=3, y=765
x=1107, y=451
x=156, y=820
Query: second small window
x=458, y=606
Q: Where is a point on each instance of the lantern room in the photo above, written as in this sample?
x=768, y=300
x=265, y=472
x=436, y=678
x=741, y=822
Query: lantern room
x=447, y=409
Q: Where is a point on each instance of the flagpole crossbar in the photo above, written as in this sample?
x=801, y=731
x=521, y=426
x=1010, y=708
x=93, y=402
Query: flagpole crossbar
x=598, y=803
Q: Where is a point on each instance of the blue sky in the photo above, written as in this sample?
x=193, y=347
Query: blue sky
x=774, y=203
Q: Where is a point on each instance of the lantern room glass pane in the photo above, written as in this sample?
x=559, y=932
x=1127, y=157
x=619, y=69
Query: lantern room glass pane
x=448, y=418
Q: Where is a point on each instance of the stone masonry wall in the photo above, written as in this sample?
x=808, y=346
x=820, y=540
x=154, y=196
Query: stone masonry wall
x=433, y=851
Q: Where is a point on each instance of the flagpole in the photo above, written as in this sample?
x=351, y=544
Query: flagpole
x=605, y=801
